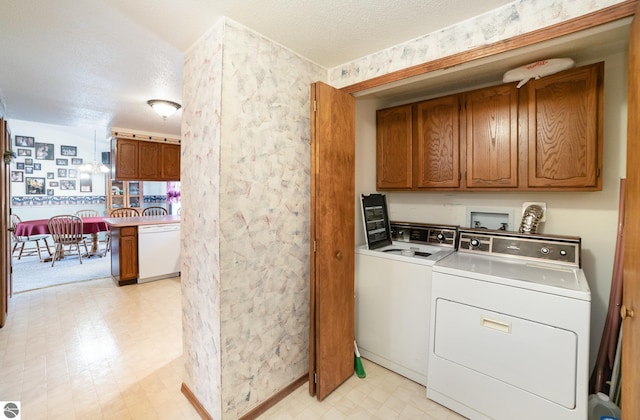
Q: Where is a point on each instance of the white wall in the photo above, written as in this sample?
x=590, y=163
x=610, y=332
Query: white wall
x=593, y=215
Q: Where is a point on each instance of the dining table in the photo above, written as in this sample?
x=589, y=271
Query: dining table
x=90, y=226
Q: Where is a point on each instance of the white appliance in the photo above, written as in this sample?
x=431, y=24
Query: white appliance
x=393, y=285
x=510, y=320
x=158, y=251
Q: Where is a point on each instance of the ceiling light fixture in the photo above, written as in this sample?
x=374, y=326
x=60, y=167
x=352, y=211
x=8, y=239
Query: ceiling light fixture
x=163, y=108
x=94, y=167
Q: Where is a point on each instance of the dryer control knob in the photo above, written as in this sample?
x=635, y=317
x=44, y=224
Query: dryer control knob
x=544, y=250
x=563, y=252
x=441, y=237
x=475, y=242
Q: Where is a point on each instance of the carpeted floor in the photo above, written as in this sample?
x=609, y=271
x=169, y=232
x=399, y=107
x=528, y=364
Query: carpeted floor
x=30, y=274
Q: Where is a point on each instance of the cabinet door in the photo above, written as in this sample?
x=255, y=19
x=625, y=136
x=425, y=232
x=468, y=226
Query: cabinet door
x=491, y=141
x=565, y=129
x=126, y=159
x=148, y=164
x=394, y=148
x=170, y=162
x=436, y=142
x=128, y=253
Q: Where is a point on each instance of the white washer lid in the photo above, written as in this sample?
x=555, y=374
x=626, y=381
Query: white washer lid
x=544, y=277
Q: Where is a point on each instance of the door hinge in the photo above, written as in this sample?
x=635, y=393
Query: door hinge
x=315, y=105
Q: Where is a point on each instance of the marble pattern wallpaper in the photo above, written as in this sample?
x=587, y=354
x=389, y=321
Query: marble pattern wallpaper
x=516, y=18
x=245, y=194
x=200, y=219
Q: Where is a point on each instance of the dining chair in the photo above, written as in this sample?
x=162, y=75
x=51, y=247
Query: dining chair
x=120, y=212
x=66, y=229
x=23, y=240
x=154, y=211
x=87, y=213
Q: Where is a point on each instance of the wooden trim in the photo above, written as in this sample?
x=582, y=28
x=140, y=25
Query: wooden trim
x=145, y=137
x=274, y=399
x=204, y=414
x=606, y=15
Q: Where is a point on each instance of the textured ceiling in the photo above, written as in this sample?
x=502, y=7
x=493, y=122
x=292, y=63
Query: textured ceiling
x=95, y=63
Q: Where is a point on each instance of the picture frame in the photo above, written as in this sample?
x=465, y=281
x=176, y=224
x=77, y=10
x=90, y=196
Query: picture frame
x=28, y=161
x=44, y=151
x=50, y=191
x=51, y=175
x=17, y=176
x=62, y=173
x=72, y=173
x=67, y=184
x=24, y=141
x=28, y=169
x=86, y=184
x=37, y=167
x=24, y=152
x=54, y=184
x=19, y=165
x=62, y=162
x=68, y=150
x=35, y=185
x=76, y=161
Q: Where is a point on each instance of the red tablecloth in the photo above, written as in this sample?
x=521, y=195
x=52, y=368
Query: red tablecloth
x=41, y=227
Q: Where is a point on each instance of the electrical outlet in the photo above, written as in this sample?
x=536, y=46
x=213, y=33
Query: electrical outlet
x=542, y=205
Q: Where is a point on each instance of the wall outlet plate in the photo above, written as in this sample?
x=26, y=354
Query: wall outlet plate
x=541, y=204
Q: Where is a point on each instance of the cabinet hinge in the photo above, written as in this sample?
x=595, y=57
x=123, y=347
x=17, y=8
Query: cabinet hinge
x=597, y=172
x=459, y=176
x=315, y=378
x=315, y=105
x=315, y=246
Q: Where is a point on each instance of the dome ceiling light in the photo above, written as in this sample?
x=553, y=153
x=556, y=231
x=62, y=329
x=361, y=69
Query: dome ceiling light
x=163, y=108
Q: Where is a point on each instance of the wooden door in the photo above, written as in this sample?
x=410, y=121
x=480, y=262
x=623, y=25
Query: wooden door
x=565, y=129
x=631, y=288
x=437, y=143
x=5, y=239
x=331, y=302
x=149, y=158
x=491, y=137
x=394, y=148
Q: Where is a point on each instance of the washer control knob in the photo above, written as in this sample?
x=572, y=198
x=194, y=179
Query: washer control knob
x=544, y=250
x=563, y=252
x=441, y=237
x=475, y=243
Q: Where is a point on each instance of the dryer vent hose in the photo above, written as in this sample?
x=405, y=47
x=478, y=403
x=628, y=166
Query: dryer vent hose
x=530, y=219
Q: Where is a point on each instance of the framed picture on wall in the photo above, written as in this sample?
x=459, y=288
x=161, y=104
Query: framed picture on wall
x=54, y=184
x=72, y=173
x=44, y=151
x=17, y=176
x=85, y=184
x=76, y=161
x=24, y=152
x=35, y=185
x=67, y=184
x=24, y=141
x=28, y=161
x=62, y=162
x=51, y=175
x=62, y=173
x=19, y=165
x=37, y=167
x=28, y=169
x=50, y=191
x=68, y=150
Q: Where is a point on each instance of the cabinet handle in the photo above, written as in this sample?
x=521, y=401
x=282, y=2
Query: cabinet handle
x=339, y=255
x=504, y=327
x=626, y=312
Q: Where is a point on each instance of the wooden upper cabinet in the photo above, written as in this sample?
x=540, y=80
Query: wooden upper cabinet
x=170, y=162
x=149, y=163
x=491, y=137
x=565, y=129
x=436, y=142
x=126, y=159
x=394, y=148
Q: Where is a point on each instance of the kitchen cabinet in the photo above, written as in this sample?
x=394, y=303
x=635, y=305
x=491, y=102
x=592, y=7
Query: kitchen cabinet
x=124, y=194
x=564, y=133
x=546, y=136
x=124, y=254
x=145, y=160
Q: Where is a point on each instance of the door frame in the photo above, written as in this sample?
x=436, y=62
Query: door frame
x=6, y=286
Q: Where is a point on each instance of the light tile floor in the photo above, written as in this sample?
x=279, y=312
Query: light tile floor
x=92, y=350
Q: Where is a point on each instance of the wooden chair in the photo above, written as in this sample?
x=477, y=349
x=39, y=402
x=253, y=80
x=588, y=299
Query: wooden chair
x=87, y=213
x=66, y=230
x=23, y=240
x=124, y=212
x=154, y=211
